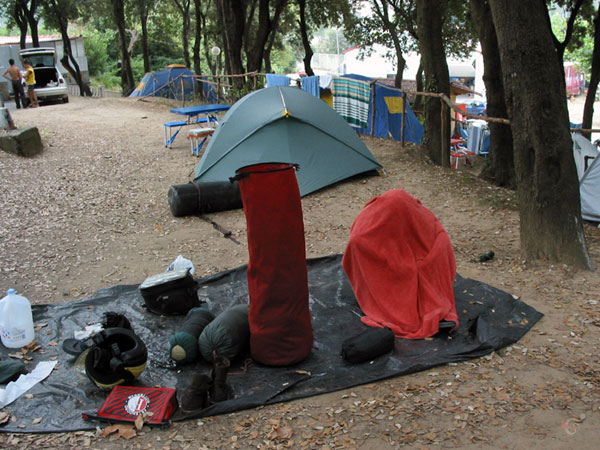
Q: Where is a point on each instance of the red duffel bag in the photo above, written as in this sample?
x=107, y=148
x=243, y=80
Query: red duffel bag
x=401, y=266
x=280, y=325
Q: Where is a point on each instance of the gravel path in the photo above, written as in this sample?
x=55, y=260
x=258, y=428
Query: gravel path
x=92, y=212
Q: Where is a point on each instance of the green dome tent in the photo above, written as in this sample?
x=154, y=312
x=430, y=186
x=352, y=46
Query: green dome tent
x=286, y=125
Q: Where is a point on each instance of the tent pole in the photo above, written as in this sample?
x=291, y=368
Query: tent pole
x=373, y=112
x=403, y=118
x=445, y=144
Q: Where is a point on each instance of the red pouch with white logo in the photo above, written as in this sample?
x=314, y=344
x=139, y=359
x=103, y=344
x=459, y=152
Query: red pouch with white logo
x=126, y=403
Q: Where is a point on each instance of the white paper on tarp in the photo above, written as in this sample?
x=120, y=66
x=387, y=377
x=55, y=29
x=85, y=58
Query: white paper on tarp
x=87, y=331
x=15, y=389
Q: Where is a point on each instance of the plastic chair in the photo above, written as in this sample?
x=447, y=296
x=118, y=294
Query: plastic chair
x=457, y=152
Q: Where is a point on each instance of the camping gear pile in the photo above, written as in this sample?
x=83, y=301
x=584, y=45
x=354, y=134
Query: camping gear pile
x=413, y=298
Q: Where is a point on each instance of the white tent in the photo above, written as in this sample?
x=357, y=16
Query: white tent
x=584, y=153
x=588, y=170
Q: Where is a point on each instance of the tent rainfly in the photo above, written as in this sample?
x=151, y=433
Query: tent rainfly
x=286, y=125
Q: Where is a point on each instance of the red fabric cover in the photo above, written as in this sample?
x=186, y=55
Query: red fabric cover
x=401, y=266
x=280, y=325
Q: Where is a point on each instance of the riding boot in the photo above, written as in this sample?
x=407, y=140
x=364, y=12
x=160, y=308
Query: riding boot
x=220, y=389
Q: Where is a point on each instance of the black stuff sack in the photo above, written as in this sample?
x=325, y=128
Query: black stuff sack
x=368, y=345
x=227, y=336
x=171, y=292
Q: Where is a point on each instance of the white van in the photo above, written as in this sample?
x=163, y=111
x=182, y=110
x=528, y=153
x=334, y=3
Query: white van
x=49, y=83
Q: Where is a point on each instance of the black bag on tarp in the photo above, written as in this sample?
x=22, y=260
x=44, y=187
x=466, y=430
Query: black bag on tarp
x=171, y=292
x=368, y=345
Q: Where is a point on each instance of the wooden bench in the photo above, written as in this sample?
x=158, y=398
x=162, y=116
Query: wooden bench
x=198, y=137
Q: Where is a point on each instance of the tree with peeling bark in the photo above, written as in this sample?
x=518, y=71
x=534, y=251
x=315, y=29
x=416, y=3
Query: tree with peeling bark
x=549, y=204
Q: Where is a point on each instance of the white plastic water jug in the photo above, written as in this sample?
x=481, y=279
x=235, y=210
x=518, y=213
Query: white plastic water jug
x=16, y=321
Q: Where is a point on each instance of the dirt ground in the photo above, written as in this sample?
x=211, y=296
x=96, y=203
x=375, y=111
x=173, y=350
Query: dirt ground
x=92, y=212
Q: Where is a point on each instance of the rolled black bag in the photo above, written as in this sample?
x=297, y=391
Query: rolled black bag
x=228, y=335
x=368, y=345
x=200, y=198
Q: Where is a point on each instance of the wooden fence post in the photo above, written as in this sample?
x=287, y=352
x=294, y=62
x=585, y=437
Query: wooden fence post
x=373, y=112
x=403, y=118
x=182, y=93
x=445, y=143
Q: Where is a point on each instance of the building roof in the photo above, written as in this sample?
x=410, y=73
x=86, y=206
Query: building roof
x=12, y=40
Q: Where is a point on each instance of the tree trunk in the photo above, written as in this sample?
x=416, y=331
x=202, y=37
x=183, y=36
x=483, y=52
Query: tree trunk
x=308, y=53
x=145, y=48
x=547, y=183
x=68, y=61
x=232, y=18
x=399, y=69
x=437, y=79
x=21, y=21
x=184, y=9
x=267, y=55
x=588, y=108
x=271, y=39
x=419, y=99
x=266, y=26
x=32, y=21
x=573, y=9
x=500, y=167
x=382, y=11
x=198, y=36
x=127, y=83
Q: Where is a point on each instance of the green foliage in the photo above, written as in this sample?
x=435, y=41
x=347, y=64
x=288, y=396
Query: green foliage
x=283, y=60
x=109, y=80
x=330, y=40
x=96, y=45
x=581, y=46
x=582, y=55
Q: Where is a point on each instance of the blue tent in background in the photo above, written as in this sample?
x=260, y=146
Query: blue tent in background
x=175, y=81
x=388, y=114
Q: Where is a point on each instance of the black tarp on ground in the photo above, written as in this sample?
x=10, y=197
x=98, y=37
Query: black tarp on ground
x=489, y=319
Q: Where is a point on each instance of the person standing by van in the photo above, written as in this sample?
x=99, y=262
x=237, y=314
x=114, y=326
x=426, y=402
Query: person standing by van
x=13, y=74
x=30, y=80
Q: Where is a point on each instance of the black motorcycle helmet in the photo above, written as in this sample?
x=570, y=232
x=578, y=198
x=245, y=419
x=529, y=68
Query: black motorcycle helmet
x=117, y=356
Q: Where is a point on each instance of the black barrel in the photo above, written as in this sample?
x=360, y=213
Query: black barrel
x=200, y=198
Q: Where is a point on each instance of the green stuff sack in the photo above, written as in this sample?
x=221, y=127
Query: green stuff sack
x=227, y=335
x=183, y=345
